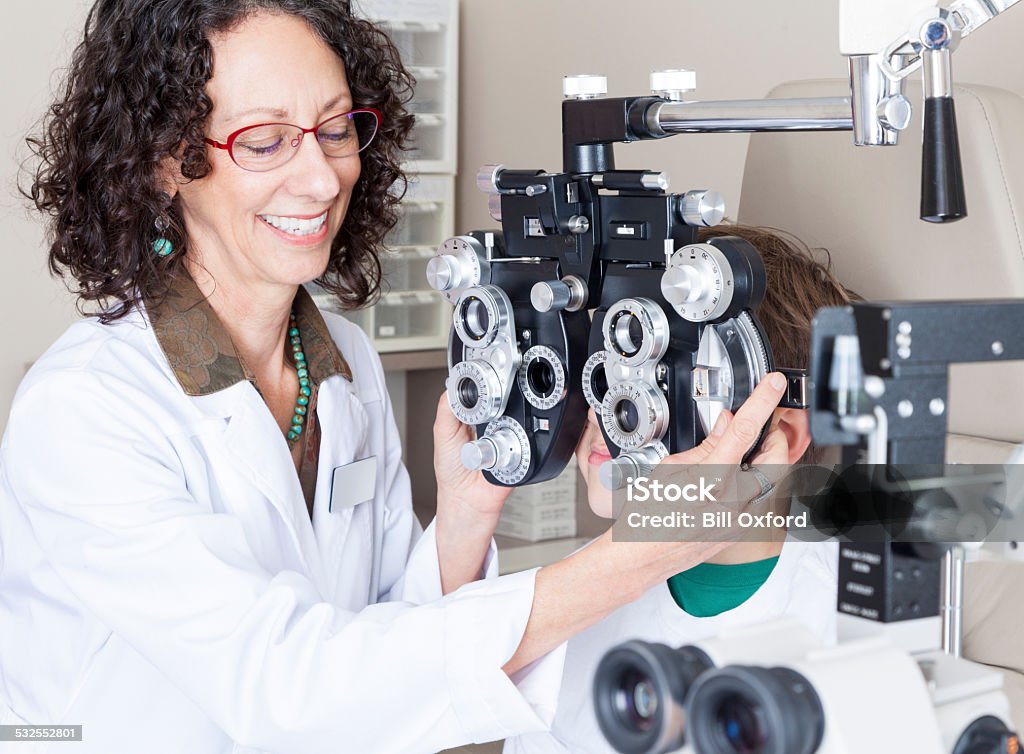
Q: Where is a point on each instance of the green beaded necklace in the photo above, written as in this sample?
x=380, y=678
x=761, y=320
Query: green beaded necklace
x=302, y=401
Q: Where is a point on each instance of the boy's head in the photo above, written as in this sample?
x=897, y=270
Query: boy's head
x=798, y=284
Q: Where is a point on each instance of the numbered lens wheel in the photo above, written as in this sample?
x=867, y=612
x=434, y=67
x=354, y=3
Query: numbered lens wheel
x=474, y=392
x=542, y=377
x=595, y=380
x=634, y=414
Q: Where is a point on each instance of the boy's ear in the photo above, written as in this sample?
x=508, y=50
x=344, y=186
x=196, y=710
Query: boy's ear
x=795, y=424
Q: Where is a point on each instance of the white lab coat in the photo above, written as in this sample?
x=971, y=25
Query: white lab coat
x=161, y=584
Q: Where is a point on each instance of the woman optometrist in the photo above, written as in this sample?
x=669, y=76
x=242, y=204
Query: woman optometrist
x=207, y=542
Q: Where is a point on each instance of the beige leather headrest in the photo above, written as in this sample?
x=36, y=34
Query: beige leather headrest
x=862, y=204
x=993, y=613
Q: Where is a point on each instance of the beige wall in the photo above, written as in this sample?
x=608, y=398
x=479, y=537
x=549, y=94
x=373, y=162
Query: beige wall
x=34, y=308
x=514, y=53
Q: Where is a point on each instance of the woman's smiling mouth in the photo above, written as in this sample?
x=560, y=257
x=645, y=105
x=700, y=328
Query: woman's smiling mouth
x=297, y=229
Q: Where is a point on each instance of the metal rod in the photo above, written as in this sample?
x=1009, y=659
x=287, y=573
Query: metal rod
x=938, y=73
x=739, y=116
x=953, y=601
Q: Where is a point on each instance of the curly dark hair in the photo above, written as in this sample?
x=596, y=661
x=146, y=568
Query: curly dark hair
x=135, y=95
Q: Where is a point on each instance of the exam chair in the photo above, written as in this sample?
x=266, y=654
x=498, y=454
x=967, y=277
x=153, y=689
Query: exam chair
x=862, y=204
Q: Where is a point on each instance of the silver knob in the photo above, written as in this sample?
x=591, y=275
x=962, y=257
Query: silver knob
x=584, y=86
x=444, y=273
x=681, y=285
x=487, y=178
x=614, y=473
x=673, y=83
x=578, y=224
x=895, y=112
x=550, y=295
x=569, y=293
x=479, y=454
x=494, y=206
x=654, y=181
x=702, y=208
x=499, y=451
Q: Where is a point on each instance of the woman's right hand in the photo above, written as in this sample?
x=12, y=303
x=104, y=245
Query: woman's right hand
x=732, y=436
x=724, y=449
x=575, y=593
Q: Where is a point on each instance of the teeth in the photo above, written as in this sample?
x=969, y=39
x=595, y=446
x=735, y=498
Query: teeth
x=294, y=225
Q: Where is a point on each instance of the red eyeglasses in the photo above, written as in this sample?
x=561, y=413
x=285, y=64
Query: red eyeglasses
x=266, y=146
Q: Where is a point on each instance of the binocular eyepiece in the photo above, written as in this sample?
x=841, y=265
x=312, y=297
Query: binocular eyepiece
x=777, y=690
x=651, y=699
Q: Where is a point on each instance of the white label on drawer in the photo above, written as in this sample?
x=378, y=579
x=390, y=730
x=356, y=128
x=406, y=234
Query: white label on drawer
x=386, y=331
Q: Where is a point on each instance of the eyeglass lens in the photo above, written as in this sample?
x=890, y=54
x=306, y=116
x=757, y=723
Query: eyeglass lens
x=266, y=146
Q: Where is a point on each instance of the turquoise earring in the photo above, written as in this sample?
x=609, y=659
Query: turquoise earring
x=162, y=246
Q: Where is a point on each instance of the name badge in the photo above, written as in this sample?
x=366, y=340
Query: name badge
x=353, y=484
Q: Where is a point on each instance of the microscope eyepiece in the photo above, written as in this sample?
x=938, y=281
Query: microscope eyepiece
x=755, y=710
x=639, y=691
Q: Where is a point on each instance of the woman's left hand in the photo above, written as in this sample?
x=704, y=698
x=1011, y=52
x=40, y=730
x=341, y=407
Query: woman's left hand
x=456, y=483
x=467, y=504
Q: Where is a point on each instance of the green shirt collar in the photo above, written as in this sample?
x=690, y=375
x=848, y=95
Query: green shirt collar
x=710, y=589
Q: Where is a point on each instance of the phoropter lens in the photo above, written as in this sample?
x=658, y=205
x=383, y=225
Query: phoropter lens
x=468, y=393
x=636, y=333
x=541, y=378
x=474, y=314
x=629, y=333
x=627, y=416
x=599, y=383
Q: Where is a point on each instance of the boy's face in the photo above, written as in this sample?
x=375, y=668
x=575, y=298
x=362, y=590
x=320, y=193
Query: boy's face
x=590, y=454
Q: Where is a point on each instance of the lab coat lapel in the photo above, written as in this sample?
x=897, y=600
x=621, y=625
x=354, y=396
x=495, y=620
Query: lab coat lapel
x=257, y=450
x=344, y=534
